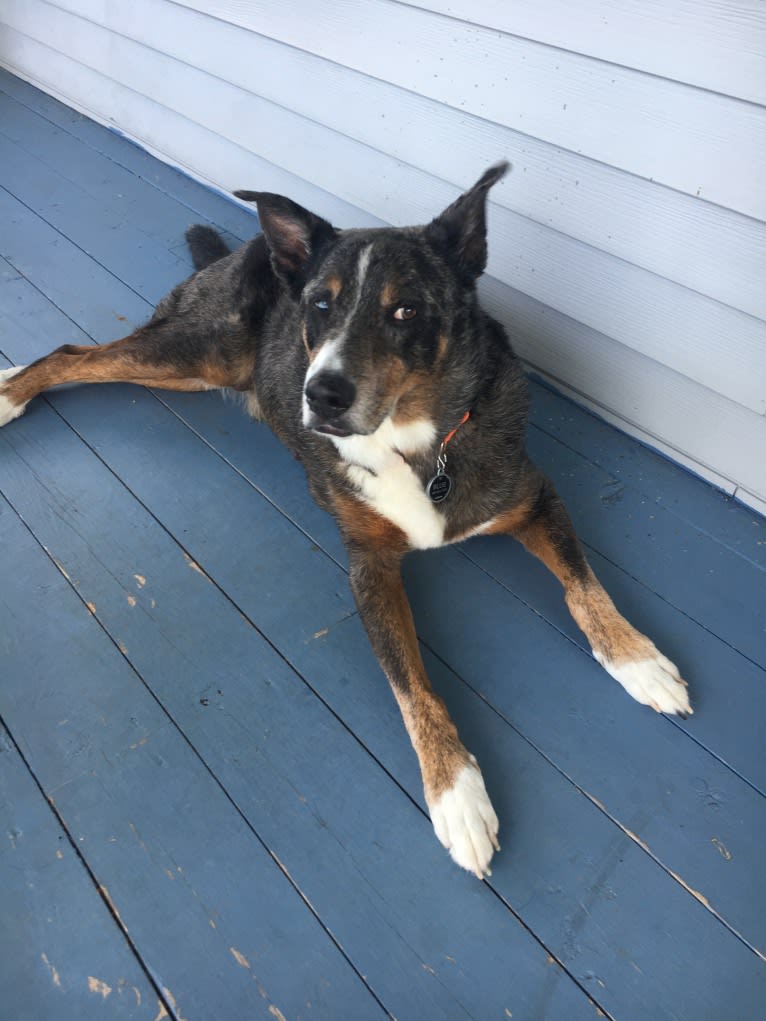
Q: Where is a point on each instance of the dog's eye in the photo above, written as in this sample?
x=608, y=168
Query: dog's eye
x=322, y=304
x=405, y=312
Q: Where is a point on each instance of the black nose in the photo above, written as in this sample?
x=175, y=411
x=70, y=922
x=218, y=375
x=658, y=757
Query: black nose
x=329, y=394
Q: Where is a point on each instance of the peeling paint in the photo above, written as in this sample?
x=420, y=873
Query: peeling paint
x=91, y=608
x=240, y=958
x=321, y=633
x=123, y=648
x=112, y=906
x=131, y=600
x=59, y=854
x=508, y=1013
x=276, y=1012
x=58, y=563
x=636, y=838
x=140, y=580
x=54, y=974
x=162, y=1012
x=137, y=992
x=195, y=566
x=97, y=986
x=695, y=893
x=172, y=1001
x=428, y=968
x=722, y=849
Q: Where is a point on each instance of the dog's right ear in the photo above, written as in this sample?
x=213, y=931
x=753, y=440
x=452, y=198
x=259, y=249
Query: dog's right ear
x=292, y=233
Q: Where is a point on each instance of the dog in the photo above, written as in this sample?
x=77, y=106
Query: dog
x=367, y=353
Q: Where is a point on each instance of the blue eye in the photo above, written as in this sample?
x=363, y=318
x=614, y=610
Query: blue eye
x=322, y=304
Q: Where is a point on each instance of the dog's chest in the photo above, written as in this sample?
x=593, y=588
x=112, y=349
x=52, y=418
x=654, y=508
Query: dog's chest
x=384, y=480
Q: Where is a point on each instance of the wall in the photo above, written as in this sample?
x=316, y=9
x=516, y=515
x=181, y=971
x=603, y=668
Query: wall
x=628, y=247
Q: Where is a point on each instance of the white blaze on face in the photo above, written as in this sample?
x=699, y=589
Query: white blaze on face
x=330, y=355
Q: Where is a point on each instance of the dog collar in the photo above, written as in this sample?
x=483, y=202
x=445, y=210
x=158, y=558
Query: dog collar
x=440, y=486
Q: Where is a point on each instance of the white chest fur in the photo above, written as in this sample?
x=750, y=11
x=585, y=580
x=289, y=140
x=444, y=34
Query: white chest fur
x=387, y=483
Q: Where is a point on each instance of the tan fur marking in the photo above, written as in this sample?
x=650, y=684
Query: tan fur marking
x=435, y=739
x=509, y=521
x=305, y=338
x=334, y=285
x=605, y=628
x=116, y=363
x=365, y=527
x=607, y=631
x=418, y=398
x=389, y=294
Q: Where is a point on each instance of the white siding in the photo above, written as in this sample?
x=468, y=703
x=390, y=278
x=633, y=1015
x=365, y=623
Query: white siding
x=628, y=248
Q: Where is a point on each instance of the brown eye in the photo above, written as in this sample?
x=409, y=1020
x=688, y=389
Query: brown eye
x=405, y=312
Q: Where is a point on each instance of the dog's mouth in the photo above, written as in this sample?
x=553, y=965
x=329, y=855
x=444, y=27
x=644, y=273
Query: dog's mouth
x=330, y=430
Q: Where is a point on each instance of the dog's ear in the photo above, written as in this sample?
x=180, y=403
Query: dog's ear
x=461, y=230
x=293, y=234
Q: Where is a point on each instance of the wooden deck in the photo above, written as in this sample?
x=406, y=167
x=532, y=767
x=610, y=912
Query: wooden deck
x=208, y=805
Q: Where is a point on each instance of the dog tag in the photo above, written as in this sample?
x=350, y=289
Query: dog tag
x=439, y=487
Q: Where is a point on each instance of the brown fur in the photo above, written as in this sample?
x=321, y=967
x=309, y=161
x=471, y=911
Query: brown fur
x=377, y=584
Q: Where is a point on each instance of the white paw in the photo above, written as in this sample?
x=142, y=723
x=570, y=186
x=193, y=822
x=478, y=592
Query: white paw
x=9, y=411
x=465, y=821
x=653, y=681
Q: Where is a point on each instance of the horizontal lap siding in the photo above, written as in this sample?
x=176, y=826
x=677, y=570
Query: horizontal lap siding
x=627, y=246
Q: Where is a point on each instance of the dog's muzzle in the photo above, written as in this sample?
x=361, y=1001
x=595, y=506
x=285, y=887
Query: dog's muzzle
x=329, y=395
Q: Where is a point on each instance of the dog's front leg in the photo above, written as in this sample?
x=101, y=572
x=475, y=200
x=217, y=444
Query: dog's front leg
x=461, y=812
x=542, y=524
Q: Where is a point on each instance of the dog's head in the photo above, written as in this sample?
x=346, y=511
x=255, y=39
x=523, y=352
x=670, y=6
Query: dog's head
x=378, y=308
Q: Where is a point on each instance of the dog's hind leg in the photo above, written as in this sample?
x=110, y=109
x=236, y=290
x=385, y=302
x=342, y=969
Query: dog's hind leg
x=461, y=812
x=542, y=524
x=156, y=355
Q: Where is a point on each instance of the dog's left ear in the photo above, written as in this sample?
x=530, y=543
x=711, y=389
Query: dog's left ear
x=462, y=227
x=293, y=234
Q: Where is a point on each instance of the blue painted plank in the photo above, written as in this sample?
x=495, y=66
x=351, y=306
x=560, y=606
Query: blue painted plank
x=142, y=262
x=676, y=798
x=540, y=869
x=208, y=909
x=62, y=953
x=99, y=303
x=728, y=690
x=117, y=192
x=658, y=478
x=170, y=487
x=362, y=844
x=685, y=566
x=125, y=155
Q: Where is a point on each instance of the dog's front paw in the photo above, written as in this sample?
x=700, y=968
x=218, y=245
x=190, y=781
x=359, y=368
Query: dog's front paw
x=8, y=408
x=652, y=681
x=465, y=821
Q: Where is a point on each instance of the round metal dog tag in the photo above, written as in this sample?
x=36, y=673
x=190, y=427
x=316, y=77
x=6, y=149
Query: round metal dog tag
x=439, y=487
